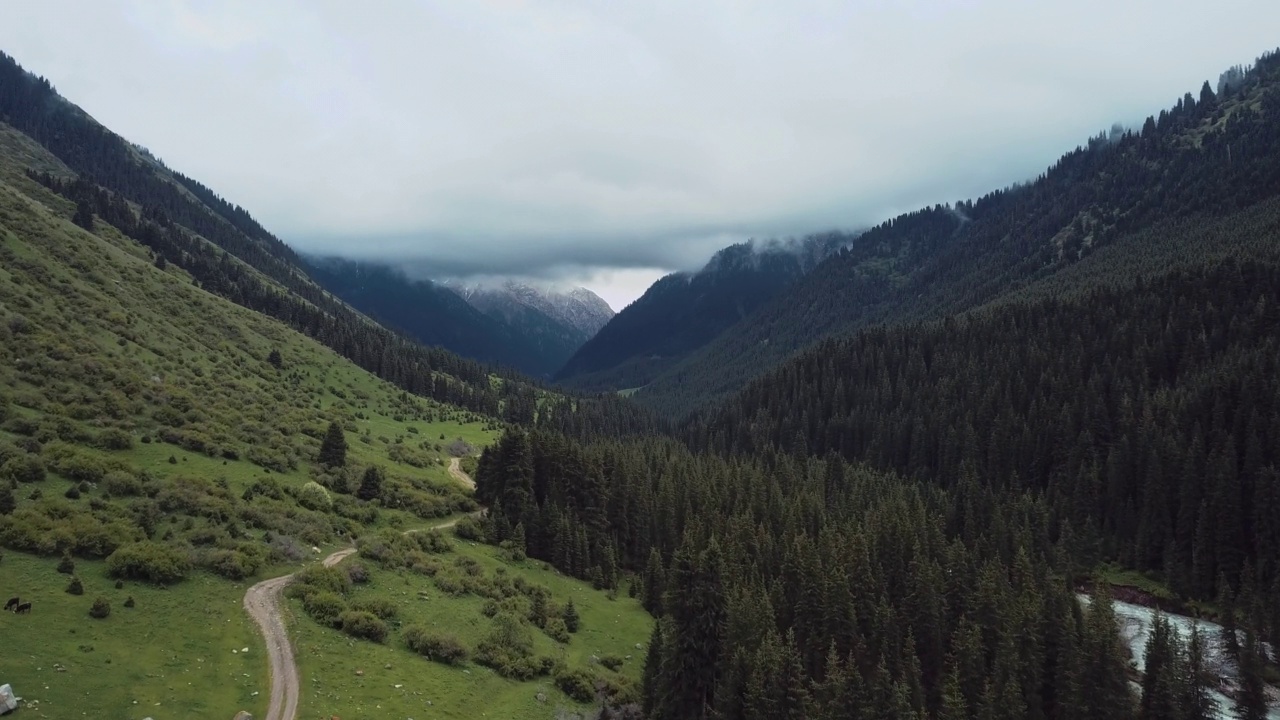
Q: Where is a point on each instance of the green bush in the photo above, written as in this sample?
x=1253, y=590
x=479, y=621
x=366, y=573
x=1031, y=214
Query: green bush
x=23, y=468
x=381, y=607
x=578, y=684
x=150, y=561
x=114, y=439
x=325, y=607
x=100, y=609
x=118, y=483
x=324, y=578
x=314, y=497
x=556, y=630
x=442, y=647
x=469, y=528
x=364, y=625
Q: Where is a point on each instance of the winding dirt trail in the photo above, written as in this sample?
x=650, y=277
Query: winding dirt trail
x=262, y=602
x=455, y=469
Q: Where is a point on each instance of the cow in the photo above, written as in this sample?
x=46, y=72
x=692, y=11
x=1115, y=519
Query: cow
x=13, y=603
x=23, y=608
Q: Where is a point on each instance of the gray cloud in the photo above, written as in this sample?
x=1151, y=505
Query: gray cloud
x=557, y=139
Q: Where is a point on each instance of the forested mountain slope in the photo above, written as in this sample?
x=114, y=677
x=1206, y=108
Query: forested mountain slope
x=218, y=243
x=1209, y=157
x=684, y=311
x=530, y=342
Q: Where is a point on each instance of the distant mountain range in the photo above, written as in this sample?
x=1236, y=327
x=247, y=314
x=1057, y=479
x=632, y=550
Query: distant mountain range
x=515, y=325
x=1125, y=204
x=682, y=312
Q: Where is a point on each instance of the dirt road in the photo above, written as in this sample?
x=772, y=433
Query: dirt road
x=455, y=469
x=262, y=602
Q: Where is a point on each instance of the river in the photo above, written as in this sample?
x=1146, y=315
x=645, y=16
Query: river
x=1135, y=629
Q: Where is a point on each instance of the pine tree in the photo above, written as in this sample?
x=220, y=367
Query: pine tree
x=333, y=449
x=1196, y=702
x=652, y=690
x=655, y=584
x=84, y=215
x=1251, y=699
x=370, y=484
x=7, y=502
x=571, y=619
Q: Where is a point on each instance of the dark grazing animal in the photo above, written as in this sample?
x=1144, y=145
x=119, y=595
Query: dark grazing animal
x=13, y=603
x=23, y=608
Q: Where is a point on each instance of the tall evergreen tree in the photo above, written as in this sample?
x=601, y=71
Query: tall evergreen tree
x=333, y=448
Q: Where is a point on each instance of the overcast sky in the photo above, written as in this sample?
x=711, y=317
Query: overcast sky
x=608, y=142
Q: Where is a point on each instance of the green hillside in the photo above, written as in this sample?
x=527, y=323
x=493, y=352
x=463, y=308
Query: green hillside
x=139, y=411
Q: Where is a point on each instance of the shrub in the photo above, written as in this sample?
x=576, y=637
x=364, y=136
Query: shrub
x=75, y=587
x=66, y=565
x=100, y=609
x=324, y=578
x=442, y=647
x=469, y=528
x=381, y=607
x=578, y=684
x=234, y=564
x=148, y=561
x=114, y=439
x=324, y=607
x=314, y=497
x=23, y=468
x=364, y=625
x=357, y=573
x=556, y=630
x=121, y=484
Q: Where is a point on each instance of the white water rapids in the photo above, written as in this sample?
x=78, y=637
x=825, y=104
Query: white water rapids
x=1135, y=628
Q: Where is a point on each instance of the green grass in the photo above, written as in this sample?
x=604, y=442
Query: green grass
x=171, y=654
x=94, y=339
x=328, y=660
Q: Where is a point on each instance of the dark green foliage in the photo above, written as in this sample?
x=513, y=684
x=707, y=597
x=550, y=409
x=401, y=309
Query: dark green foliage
x=333, y=449
x=577, y=683
x=324, y=607
x=468, y=528
x=440, y=647
x=75, y=587
x=24, y=468
x=370, y=484
x=363, y=625
x=66, y=565
x=571, y=619
x=100, y=609
x=149, y=561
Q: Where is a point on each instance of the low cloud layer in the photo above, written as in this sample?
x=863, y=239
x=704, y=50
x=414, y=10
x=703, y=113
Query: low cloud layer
x=558, y=139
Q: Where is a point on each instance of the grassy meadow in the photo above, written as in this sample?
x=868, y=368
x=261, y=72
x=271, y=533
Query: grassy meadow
x=142, y=419
x=413, y=686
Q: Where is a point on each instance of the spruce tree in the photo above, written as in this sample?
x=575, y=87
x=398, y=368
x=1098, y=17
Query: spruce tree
x=1196, y=702
x=333, y=449
x=7, y=502
x=370, y=484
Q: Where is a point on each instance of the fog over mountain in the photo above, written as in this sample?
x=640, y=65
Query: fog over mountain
x=607, y=145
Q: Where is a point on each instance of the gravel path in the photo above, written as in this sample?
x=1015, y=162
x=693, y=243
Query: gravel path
x=262, y=602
